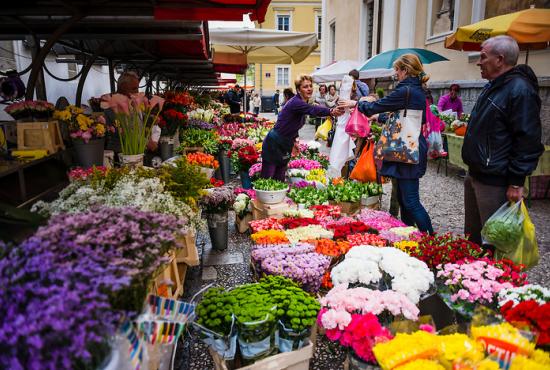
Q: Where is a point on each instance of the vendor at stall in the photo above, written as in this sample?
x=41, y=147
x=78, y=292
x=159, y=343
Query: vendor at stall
x=279, y=142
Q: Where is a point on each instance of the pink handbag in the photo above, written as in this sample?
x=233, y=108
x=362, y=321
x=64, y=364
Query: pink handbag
x=358, y=124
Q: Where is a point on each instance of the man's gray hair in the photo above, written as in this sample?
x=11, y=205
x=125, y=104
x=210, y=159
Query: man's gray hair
x=505, y=46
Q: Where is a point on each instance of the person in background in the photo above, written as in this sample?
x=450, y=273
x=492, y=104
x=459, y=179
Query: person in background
x=361, y=89
x=320, y=96
x=411, y=76
x=502, y=144
x=256, y=103
x=320, y=100
x=232, y=98
x=287, y=95
x=332, y=97
x=276, y=102
x=280, y=140
x=451, y=101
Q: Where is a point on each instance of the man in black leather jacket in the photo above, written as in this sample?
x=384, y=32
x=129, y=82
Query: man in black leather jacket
x=502, y=145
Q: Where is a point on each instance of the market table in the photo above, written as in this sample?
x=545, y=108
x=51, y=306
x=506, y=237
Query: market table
x=455, y=158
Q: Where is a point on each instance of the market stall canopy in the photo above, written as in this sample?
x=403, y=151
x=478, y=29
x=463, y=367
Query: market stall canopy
x=337, y=70
x=386, y=59
x=198, y=10
x=530, y=28
x=212, y=10
x=264, y=46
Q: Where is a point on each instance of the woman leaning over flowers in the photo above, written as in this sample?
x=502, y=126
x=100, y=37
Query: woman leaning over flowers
x=411, y=76
x=279, y=142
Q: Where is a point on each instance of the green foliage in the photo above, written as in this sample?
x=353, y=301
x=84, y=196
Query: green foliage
x=257, y=306
x=269, y=185
x=195, y=137
x=184, y=181
x=380, y=92
x=352, y=191
x=308, y=196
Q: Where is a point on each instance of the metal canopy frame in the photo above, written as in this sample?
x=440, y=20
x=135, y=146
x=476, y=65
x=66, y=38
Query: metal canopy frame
x=119, y=32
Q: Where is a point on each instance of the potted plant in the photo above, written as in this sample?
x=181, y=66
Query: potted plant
x=243, y=209
x=215, y=204
x=169, y=122
x=243, y=155
x=87, y=134
x=270, y=191
x=198, y=140
x=206, y=162
x=36, y=110
x=135, y=116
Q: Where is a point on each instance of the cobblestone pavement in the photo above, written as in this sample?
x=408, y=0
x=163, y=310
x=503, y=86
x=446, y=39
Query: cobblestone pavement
x=442, y=197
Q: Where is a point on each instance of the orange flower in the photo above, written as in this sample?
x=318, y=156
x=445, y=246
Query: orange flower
x=203, y=160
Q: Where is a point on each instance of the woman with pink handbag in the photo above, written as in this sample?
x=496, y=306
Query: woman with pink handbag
x=402, y=147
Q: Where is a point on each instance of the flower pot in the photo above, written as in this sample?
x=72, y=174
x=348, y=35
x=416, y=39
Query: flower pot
x=209, y=172
x=218, y=230
x=166, y=150
x=131, y=160
x=271, y=197
x=356, y=363
x=460, y=131
x=91, y=153
x=225, y=165
x=246, y=181
x=241, y=224
x=370, y=202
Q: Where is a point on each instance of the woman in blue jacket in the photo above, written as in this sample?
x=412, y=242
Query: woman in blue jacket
x=411, y=76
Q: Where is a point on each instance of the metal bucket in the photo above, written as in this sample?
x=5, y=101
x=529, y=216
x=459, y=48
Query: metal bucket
x=91, y=153
x=218, y=230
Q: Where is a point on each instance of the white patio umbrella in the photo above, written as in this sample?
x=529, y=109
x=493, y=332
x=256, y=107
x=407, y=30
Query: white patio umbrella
x=337, y=70
x=263, y=46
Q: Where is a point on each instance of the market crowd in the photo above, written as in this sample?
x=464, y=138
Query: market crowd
x=502, y=142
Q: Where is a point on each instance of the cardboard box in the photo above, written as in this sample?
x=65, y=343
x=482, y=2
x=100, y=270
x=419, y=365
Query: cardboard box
x=261, y=210
x=348, y=207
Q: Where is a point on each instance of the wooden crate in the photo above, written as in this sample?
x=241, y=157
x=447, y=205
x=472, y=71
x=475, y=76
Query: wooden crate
x=187, y=251
x=167, y=282
x=39, y=135
x=261, y=210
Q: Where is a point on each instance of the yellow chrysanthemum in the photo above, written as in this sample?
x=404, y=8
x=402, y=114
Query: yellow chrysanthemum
x=406, y=245
x=421, y=365
x=406, y=347
x=488, y=364
x=83, y=122
x=541, y=357
x=460, y=347
x=100, y=129
x=524, y=363
x=63, y=115
x=506, y=333
x=75, y=110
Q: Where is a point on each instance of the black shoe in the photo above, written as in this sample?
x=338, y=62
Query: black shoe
x=461, y=174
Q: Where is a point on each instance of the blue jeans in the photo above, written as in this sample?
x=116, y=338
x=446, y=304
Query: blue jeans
x=412, y=211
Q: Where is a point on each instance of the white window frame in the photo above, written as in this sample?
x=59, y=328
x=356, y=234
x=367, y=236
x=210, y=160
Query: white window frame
x=430, y=39
x=285, y=14
x=332, y=41
x=288, y=67
x=319, y=23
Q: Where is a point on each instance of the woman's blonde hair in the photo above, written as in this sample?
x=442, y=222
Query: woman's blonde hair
x=412, y=65
x=301, y=78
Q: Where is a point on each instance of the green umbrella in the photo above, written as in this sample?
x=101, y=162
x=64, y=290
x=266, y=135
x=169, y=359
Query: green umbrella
x=386, y=59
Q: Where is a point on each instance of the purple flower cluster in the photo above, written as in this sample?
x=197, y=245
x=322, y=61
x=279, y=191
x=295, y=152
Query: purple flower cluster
x=66, y=288
x=198, y=123
x=259, y=254
x=307, y=269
